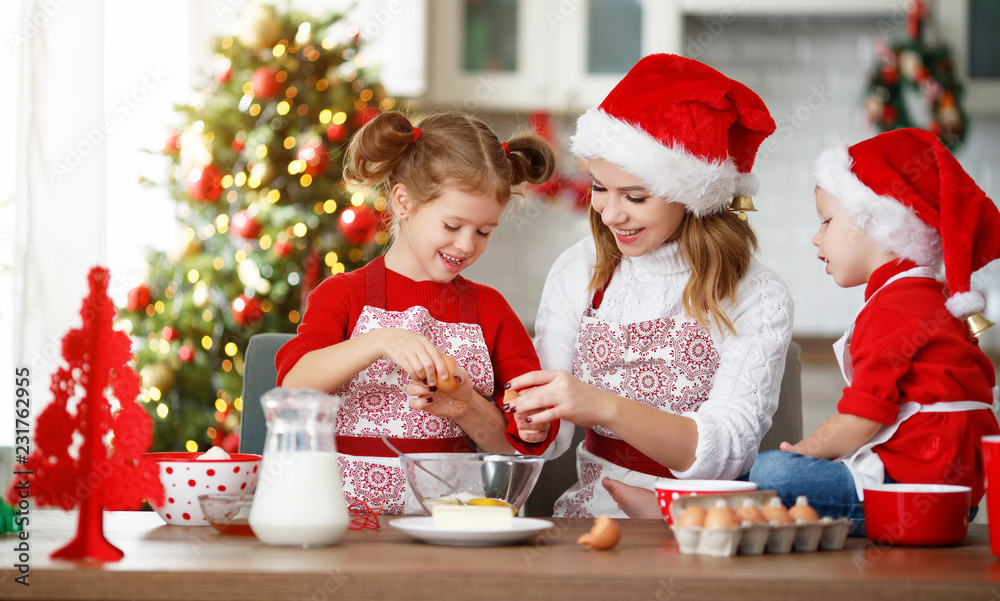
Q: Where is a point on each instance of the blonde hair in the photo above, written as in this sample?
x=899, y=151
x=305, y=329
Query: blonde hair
x=719, y=248
x=453, y=151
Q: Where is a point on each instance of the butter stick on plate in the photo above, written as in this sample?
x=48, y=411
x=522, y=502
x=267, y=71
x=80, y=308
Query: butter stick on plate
x=472, y=517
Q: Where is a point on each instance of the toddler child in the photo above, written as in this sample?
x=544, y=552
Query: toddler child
x=920, y=392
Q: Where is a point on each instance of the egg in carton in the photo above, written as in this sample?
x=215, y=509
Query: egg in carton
x=751, y=523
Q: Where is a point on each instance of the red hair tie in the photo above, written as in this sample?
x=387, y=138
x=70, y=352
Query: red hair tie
x=416, y=134
x=506, y=149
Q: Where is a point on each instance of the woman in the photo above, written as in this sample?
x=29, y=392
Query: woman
x=661, y=334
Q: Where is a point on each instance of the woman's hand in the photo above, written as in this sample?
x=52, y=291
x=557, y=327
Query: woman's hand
x=545, y=396
x=413, y=353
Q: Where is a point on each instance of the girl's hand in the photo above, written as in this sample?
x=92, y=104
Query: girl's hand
x=550, y=395
x=534, y=431
x=455, y=404
x=413, y=353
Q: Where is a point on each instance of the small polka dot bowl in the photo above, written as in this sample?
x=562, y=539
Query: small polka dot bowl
x=185, y=477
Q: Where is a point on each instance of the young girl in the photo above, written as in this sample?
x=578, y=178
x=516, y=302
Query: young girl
x=377, y=336
x=892, y=209
x=662, y=335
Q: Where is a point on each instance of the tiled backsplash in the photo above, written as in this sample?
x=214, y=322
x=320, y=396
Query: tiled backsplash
x=812, y=74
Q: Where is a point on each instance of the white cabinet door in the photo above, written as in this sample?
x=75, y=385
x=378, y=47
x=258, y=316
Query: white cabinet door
x=555, y=55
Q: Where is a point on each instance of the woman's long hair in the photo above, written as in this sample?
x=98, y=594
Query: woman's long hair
x=719, y=248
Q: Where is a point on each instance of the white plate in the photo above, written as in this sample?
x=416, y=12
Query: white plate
x=422, y=528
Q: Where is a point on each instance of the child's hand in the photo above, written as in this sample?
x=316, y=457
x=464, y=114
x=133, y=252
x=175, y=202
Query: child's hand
x=413, y=353
x=789, y=448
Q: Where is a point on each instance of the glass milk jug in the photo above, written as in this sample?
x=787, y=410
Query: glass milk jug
x=299, y=500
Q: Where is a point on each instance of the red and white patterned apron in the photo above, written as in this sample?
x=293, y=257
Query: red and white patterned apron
x=374, y=402
x=666, y=363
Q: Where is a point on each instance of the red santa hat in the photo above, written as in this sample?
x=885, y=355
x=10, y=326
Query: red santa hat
x=686, y=131
x=912, y=198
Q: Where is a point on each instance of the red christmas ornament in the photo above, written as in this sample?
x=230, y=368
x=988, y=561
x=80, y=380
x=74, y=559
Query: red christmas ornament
x=283, y=249
x=365, y=115
x=247, y=311
x=265, y=84
x=97, y=475
x=205, y=184
x=137, y=298
x=245, y=226
x=315, y=156
x=170, y=333
x=224, y=75
x=358, y=224
x=336, y=132
x=239, y=142
x=172, y=147
x=186, y=353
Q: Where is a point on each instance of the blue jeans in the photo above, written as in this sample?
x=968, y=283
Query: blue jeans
x=829, y=486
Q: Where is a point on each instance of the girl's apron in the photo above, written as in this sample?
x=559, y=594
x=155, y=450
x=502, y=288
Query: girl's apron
x=375, y=403
x=865, y=464
x=667, y=363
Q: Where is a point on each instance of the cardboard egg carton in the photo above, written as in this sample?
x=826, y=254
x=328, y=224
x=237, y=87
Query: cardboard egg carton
x=749, y=538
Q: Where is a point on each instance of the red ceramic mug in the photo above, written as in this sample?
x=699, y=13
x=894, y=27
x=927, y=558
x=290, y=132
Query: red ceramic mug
x=991, y=470
x=668, y=489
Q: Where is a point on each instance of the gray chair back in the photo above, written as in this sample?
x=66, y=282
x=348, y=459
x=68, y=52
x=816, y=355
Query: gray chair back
x=259, y=376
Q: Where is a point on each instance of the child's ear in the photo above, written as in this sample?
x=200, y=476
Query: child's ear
x=402, y=205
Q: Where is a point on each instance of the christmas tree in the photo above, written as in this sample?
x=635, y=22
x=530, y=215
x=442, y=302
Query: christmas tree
x=256, y=170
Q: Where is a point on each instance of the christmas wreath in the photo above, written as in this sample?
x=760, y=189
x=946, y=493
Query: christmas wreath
x=911, y=66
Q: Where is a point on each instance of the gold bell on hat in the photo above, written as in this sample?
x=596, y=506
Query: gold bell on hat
x=977, y=324
x=741, y=204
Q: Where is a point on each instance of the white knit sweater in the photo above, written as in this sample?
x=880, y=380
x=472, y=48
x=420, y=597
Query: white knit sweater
x=744, y=395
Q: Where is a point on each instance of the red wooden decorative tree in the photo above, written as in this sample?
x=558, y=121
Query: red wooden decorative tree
x=95, y=471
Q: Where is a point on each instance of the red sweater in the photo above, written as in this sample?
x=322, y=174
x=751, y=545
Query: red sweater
x=907, y=347
x=335, y=305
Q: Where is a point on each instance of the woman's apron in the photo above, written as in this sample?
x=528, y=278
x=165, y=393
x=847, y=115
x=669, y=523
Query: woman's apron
x=666, y=363
x=374, y=402
x=865, y=464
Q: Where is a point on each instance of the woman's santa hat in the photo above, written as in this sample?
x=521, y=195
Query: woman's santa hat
x=686, y=131
x=912, y=198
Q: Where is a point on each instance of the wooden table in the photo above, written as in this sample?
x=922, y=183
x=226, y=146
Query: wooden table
x=169, y=562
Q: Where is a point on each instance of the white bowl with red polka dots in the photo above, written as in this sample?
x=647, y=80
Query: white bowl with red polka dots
x=185, y=477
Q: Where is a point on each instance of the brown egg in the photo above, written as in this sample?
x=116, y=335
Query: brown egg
x=449, y=384
x=776, y=512
x=801, y=511
x=509, y=395
x=603, y=535
x=693, y=516
x=748, y=512
x=720, y=516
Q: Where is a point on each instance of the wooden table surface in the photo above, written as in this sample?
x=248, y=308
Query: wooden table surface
x=169, y=562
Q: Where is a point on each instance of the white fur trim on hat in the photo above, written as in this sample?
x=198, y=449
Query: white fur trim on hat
x=703, y=186
x=963, y=304
x=889, y=223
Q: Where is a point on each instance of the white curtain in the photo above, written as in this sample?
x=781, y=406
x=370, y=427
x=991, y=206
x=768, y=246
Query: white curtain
x=59, y=196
